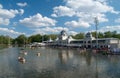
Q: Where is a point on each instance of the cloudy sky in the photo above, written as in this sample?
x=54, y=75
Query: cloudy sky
x=51, y=16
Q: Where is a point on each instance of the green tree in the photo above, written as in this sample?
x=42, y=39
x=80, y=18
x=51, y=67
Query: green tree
x=94, y=34
x=118, y=36
x=53, y=36
x=5, y=39
x=100, y=35
x=1, y=39
x=21, y=40
x=35, y=38
x=108, y=34
x=45, y=37
x=79, y=36
x=114, y=34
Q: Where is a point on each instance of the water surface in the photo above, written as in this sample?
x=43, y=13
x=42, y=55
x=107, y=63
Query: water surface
x=57, y=63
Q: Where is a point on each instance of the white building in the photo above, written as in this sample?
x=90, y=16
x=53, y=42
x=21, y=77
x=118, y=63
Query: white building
x=88, y=42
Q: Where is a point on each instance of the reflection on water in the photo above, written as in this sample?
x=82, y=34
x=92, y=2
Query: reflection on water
x=57, y=63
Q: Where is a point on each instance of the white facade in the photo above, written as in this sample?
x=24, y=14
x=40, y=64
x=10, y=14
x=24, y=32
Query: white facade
x=88, y=42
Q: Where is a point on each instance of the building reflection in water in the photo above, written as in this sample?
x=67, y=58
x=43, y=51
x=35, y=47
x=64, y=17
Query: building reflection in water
x=114, y=58
x=64, y=56
x=57, y=63
x=88, y=58
x=67, y=55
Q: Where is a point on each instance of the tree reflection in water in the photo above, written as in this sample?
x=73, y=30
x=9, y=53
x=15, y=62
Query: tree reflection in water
x=58, y=63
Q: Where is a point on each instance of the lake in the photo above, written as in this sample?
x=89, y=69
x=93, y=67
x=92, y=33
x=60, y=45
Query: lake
x=57, y=63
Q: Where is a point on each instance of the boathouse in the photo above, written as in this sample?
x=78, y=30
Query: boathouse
x=89, y=41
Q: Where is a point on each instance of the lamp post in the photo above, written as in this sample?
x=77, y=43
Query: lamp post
x=96, y=25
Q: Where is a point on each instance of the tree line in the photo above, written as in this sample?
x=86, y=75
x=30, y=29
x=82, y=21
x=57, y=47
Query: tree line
x=22, y=39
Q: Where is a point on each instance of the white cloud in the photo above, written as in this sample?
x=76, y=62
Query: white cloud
x=109, y=28
x=21, y=11
x=89, y=6
x=77, y=24
x=4, y=21
x=63, y=11
x=90, y=17
x=75, y=7
x=53, y=30
x=22, y=4
x=85, y=10
x=14, y=23
x=56, y=30
x=38, y=21
x=48, y=30
x=1, y=6
x=13, y=28
x=6, y=15
x=117, y=20
x=72, y=33
x=11, y=33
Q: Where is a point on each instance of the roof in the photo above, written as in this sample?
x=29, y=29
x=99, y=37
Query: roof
x=62, y=32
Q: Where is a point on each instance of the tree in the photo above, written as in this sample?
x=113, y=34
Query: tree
x=79, y=36
x=53, y=36
x=21, y=40
x=94, y=34
x=5, y=40
x=45, y=37
x=114, y=34
x=35, y=38
x=117, y=36
x=100, y=35
x=107, y=34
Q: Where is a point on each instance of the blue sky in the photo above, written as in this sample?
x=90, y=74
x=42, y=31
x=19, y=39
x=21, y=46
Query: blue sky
x=51, y=16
